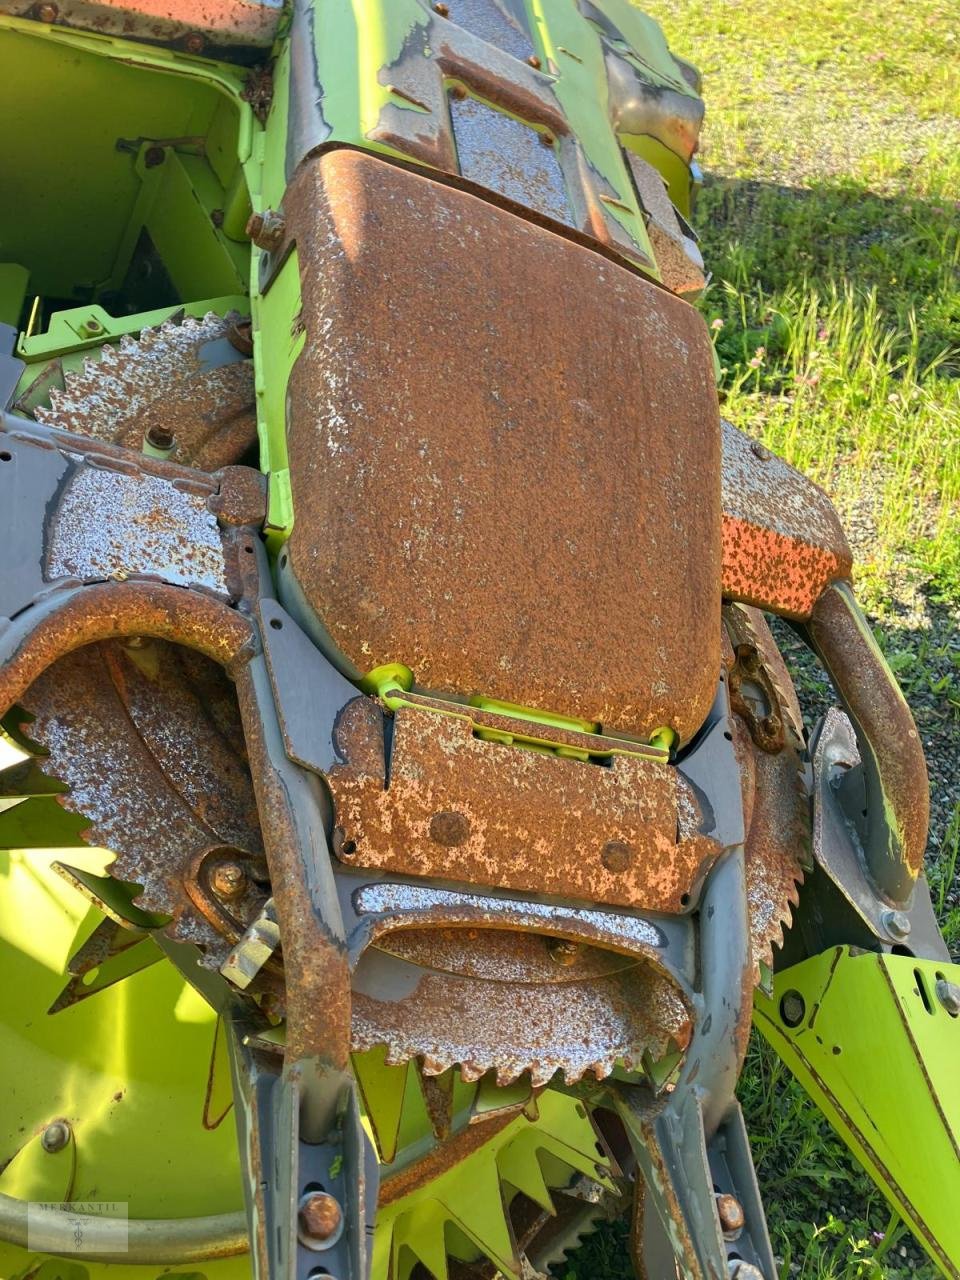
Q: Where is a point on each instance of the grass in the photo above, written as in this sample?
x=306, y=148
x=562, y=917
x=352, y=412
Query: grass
x=830, y=219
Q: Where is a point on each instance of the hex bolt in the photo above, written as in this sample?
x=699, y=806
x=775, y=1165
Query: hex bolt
x=228, y=879
x=793, y=1008
x=267, y=230
x=897, y=924
x=730, y=1213
x=55, y=1136
x=563, y=951
x=320, y=1220
x=948, y=993
x=48, y=13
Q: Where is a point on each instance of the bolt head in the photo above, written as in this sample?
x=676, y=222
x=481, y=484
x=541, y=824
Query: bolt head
x=228, y=879
x=730, y=1213
x=320, y=1220
x=55, y=1136
x=563, y=951
x=793, y=1008
x=739, y=1270
x=194, y=42
x=760, y=451
x=897, y=924
x=267, y=230
x=442, y=9
x=47, y=12
x=948, y=993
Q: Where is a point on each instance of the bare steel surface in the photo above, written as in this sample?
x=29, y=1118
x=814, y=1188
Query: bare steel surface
x=170, y=378
x=783, y=543
x=484, y=813
x=148, y=741
x=498, y=521
x=111, y=525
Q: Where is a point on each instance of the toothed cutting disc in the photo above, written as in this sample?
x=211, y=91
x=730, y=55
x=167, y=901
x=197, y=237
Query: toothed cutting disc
x=185, y=377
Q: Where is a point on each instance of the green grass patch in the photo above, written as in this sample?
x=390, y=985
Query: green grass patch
x=830, y=220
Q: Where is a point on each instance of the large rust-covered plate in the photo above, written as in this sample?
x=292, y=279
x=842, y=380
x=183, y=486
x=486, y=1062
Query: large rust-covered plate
x=505, y=455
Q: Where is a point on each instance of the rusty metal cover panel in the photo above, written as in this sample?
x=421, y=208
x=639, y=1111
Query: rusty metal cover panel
x=505, y=455
x=458, y=808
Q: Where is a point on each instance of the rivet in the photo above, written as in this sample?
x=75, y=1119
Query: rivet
x=948, y=993
x=55, y=1136
x=449, y=828
x=320, y=1220
x=730, y=1213
x=616, y=855
x=897, y=924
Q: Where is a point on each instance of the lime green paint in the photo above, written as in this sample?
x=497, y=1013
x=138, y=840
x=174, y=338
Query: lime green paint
x=277, y=342
x=879, y=1055
x=76, y=190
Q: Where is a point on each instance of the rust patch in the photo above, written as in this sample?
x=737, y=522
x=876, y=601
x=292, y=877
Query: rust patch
x=133, y=731
x=114, y=610
x=783, y=543
x=485, y=813
x=883, y=720
x=499, y=522
x=176, y=379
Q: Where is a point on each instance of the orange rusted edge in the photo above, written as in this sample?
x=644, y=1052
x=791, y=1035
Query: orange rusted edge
x=108, y=611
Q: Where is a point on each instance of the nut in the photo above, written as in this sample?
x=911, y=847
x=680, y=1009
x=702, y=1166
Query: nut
x=730, y=1213
x=267, y=230
x=228, y=879
x=159, y=440
x=320, y=1220
x=55, y=1136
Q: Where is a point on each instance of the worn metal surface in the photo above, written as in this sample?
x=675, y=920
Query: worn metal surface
x=184, y=377
x=783, y=543
x=499, y=526
x=776, y=801
x=110, y=525
x=134, y=733
x=435, y=1005
x=457, y=808
x=221, y=24
x=894, y=770
x=678, y=257
x=596, y=77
